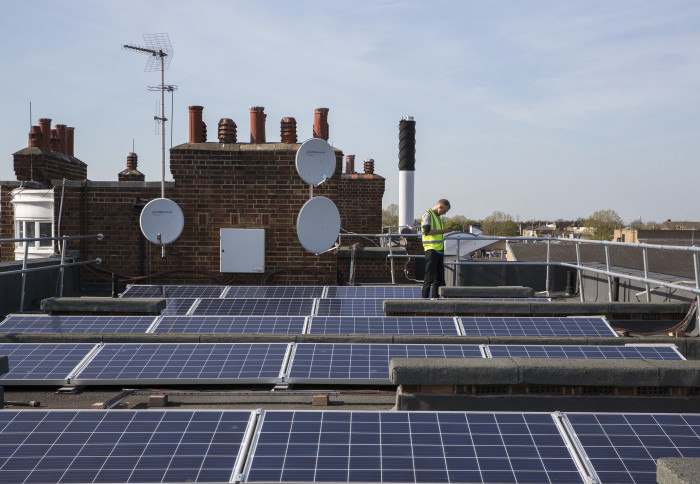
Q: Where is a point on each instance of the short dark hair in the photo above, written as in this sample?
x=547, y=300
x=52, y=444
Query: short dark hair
x=444, y=202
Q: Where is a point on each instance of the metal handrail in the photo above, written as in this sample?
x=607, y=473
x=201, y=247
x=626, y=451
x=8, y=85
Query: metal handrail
x=61, y=267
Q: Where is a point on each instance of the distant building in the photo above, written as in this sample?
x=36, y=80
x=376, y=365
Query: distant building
x=658, y=237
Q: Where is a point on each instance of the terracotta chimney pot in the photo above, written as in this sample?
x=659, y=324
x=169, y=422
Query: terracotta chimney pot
x=196, y=130
x=132, y=161
x=369, y=166
x=288, y=127
x=55, y=141
x=45, y=124
x=62, y=138
x=35, y=137
x=321, y=123
x=71, y=138
x=349, y=164
x=257, y=124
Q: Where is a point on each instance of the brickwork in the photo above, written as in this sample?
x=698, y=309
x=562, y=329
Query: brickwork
x=217, y=186
x=7, y=224
x=44, y=166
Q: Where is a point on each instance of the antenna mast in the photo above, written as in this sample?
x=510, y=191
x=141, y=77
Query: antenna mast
x=160, y=54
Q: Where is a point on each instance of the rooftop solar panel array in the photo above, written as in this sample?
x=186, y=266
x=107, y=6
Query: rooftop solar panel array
x=34, y=323
x=267, y=292
x=585, y=352
x=382, y=325
x=231, y=324
x=254, y=307
x=42, y=363
x=355, y=362
x=70, y=446
x=184, y=363
x=350, y=307
x=624, y=448
x=529, y=326
x=337, y=446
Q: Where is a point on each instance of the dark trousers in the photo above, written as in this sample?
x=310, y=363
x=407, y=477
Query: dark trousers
x=434, y=273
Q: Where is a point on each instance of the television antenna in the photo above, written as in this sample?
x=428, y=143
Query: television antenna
x=160, y=54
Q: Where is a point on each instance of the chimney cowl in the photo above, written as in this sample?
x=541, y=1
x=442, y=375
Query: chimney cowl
x=227, y=131
x=369, y=166
x=288, y=128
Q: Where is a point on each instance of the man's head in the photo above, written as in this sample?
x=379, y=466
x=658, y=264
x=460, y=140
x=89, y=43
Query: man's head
x=442, y=207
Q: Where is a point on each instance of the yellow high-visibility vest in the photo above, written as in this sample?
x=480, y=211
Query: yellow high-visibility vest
x=434, y=242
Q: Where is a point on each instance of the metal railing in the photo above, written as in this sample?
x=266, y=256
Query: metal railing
x=386, y=238
x=61, y=267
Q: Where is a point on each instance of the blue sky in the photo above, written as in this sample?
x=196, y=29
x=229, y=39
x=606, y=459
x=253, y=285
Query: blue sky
x=541, y=109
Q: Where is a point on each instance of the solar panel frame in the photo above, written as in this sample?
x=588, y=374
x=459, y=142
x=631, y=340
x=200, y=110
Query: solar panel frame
x=40, y=323
x=361, y=363
x=127, y=446
x=575, y=326
x=232, y=324
x=394, y=446
x=374, y=292
x=43, y=363
x=607, y=352
x=183, y=363
x=624, y=447
x=254, y=307
x=413, y=325
x=349, y=307
x=273, y=292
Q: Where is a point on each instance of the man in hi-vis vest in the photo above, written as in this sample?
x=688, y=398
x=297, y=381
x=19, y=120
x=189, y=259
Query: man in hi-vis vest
x=434, y=246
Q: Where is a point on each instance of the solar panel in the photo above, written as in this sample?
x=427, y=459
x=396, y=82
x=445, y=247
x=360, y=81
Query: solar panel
x=585, y=352
x=348, y=363
x=187, y=363
x=350, y=307
x=37, y=323
x=231, y=324
x=382, y=325
x=270, y=292
x=254, y=307
x=42, y=363
x=374, y=292
x=177, y=306
x=623, y=448
x=528, y=326
x=125, y=446
x=173, y=291
x=340, y=446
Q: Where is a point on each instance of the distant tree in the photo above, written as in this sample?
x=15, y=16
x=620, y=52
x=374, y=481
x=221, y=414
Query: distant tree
x=390, y=215
x=637, y=224
x=602, y=225
x=459, y=223
x=500, y=224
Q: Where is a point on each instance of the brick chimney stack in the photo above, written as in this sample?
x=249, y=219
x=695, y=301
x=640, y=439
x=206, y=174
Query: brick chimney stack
x=62, y=138
x=196, y=128
x=321, y=123
x=288, y=127
x=45, y=125
x=257, y=124
x=69, y=144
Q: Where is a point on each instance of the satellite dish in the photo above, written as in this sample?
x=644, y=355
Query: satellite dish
x=162, y=221
x=315, y=161
x=318, y=224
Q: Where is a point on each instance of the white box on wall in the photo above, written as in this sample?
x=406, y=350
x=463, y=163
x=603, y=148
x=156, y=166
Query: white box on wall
x=242, y=250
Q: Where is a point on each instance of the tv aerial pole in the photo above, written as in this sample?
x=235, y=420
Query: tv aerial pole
x=160, y=54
